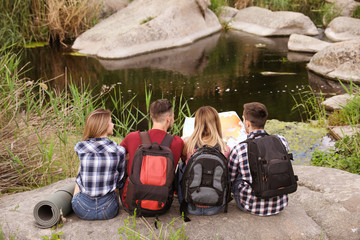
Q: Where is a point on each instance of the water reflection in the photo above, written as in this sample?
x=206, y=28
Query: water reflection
x=187, y=60
x=223, y=70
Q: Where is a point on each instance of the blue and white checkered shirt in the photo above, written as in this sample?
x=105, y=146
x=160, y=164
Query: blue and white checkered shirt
x=239, y=166
x=102, y=166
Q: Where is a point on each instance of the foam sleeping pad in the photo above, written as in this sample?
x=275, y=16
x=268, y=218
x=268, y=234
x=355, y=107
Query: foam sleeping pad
x=48, y=212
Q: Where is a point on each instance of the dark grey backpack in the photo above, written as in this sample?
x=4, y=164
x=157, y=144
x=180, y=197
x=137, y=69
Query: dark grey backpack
x=206, y=178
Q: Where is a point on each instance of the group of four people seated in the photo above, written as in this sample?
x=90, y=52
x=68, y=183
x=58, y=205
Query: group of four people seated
x=104, y=163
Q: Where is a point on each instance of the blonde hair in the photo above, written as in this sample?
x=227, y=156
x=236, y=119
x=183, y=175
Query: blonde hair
x=207, y=130
x=96, y=124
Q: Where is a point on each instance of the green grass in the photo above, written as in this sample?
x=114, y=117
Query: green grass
x=308, y=104
x=39, y=127
x=356, y=13
x=217, y=5
x=173, y=230
x=346, y=153
x=344, y=156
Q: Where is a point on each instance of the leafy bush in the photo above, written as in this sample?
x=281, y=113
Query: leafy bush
x=345, y=156
x=217, y=5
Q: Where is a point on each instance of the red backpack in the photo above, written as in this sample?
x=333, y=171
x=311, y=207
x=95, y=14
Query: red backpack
x=150, y=186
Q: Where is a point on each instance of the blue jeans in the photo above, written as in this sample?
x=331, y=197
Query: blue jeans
x=236, y=191
x=95, y=208
x=207, y=211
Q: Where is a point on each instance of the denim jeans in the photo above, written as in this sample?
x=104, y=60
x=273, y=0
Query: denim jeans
x=95, y=208
x=207, y=211
x=236, y=191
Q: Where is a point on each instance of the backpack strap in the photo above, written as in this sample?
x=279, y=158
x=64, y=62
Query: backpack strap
x=167, y=140
x=145, y=137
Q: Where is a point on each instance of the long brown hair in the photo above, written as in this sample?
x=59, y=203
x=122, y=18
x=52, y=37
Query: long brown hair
x=96, y=124
x=207, y=130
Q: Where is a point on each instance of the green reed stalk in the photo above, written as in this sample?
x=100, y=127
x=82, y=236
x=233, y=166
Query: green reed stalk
x=309, y=106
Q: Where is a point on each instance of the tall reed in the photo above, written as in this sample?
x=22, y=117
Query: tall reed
x=308, y=103
x=22, y=21
x=39, y=126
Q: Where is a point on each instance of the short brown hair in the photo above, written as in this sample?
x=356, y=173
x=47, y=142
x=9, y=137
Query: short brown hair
x=96, y=123
x=256, y=113
x=159, y=109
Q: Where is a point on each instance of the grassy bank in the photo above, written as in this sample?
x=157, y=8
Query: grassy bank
x=346, y=153
x=39, y=126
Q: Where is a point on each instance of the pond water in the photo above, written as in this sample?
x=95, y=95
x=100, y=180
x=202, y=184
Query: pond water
x=224, y=70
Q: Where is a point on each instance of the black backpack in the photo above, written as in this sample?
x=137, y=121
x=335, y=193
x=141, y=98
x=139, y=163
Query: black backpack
x=270, y=166
x=206, y=178
x=150, y=187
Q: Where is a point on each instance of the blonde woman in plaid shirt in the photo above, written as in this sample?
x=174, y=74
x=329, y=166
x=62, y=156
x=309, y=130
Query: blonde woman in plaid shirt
x=102, y=168
x=254, y=118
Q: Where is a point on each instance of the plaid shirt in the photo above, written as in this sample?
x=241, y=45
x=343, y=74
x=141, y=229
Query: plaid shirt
x=102, y=166
x=239, y=166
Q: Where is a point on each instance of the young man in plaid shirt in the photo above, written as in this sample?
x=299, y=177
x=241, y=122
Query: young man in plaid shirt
x=254, y=118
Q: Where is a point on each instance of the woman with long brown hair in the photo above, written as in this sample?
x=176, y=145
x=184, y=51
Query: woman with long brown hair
x=102, y=168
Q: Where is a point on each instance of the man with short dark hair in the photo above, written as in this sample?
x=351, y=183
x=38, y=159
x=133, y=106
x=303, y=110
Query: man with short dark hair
x=254, y=118
x=162, y=116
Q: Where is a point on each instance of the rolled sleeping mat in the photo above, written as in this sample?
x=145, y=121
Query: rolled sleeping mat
x=48, y=212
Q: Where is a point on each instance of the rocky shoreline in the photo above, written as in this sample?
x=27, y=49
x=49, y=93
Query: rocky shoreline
x=325, y=206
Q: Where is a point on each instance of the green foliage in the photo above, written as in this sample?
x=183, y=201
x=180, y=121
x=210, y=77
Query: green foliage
x=329, y=12
x=350, y=113
x=356, y=13
x=317, y=10
x=217, y=5
x=25, y=21
x=3, y=235
x=345, y=156
x=148, y=19
x=308, y=103
x=54, y=236
x=168, y=231
x=39, y=126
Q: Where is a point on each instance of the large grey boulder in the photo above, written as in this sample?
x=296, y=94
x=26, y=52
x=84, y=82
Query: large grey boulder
x=263, y=22
x=338, y=61
x=146, y=26
x=302, y=43
x=326, y=206
x=343, y=29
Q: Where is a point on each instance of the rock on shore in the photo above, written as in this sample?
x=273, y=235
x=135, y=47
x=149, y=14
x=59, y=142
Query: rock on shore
x=343, y=29
x=263, y=22
x=338, y=61
x=326, y=206
x=302, y=43
x=146, y=26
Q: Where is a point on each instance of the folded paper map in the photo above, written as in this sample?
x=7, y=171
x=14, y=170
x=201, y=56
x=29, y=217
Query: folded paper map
x=233, y=129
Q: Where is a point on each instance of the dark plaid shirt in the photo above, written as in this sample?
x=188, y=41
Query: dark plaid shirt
x=102, y=166
x=239, y=166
